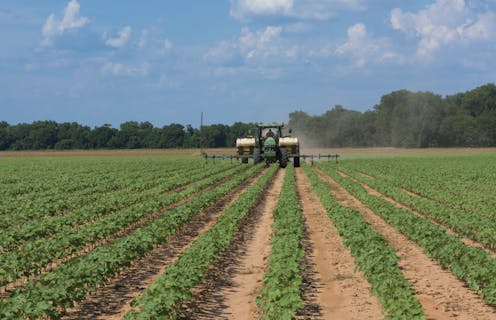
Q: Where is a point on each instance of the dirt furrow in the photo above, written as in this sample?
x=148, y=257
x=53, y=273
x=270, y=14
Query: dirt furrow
x=399, y=204
x=112, y=301
x=340, y=292
x=441, y=294
x=5, y=290
x=234, y=282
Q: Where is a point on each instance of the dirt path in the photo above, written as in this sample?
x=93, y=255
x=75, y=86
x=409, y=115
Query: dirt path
x=112, y=301
x=247, y=280
x=441, y=294
x=340, y=293
x=231, y=288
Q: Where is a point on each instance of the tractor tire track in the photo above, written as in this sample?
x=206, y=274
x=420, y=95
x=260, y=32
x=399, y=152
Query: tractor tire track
x=338, y=291
x=441, y=294
x=234, y=282
x=112, y=301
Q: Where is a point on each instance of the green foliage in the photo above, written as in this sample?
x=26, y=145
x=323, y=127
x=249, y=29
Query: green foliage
x=162, y=298
x=49, y=293
x=281, y=296
x=406, y=119
x=372, y=255
x=130, y=135
x=470, y=264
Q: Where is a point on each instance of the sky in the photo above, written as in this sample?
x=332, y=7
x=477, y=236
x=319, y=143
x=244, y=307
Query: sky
x=167, y=61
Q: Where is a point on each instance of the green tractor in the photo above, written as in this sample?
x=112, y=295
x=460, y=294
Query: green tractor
x=269, y=145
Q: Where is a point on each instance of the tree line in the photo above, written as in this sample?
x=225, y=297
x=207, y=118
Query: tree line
x=406, y=119
x=401, y=119
x=41, y=135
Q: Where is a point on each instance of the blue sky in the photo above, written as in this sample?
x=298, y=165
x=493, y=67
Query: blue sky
x=97, y=62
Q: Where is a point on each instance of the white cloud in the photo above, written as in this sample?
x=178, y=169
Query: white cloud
x=122, y=38
x=119, y=69
x=164, y=47
x=444, y=23
x=143, y=38
x=301, y=9
x=264, y=7
x=70, y=20
x=362, y=47
x=263, y=52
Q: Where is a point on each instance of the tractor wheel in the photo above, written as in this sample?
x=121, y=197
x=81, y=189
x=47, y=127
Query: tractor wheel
x=256, y=156
x=283, y=162
x=244, y=160
x=296, y=162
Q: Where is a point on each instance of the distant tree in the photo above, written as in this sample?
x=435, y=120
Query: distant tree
x=101, y=136
x=5, y=136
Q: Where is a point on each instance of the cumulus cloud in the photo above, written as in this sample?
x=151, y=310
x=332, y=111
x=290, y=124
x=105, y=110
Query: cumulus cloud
x=444, y=23
x=71, y=20
x=122, y=38
x=263, y=46
x=301, y=9
x=362, y=47
x=120, y=69
x=164, y=47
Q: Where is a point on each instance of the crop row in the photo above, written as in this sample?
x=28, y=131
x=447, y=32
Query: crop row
x=110, y=203
x=281, y=297
x=463, y=183
x=18, y=210
x=34, y=255
x=162, y=299
x=49, y=294
x=475, y=226
x=372, y=255
x=470, y=264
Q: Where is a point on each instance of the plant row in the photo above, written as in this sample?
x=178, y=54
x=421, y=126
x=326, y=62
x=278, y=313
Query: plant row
x=470, y=264
x=58, y=201
x=461, y=182
x=477, y=227
x=281, y=294
x=34, y=255
x=13, y=238
x=162, y=299
x=49, y=294
x=372, y=256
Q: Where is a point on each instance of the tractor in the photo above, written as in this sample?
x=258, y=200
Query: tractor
x=268, y=144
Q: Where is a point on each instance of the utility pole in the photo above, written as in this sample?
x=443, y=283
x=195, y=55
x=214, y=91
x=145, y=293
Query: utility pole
x=201, y=133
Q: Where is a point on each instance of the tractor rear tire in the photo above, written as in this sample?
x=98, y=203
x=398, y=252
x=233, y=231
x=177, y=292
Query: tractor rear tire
x=296, y=162
x=284, y=158
x=256, y=156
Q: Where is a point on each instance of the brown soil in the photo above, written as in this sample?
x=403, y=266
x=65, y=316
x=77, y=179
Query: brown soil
x=128, y=152
x=112, y=300
x=340, y=293
x=376, y=193
x=234, y=282
x=5, y=290
x=247, y=280
x=441, y=294
x=231, y=151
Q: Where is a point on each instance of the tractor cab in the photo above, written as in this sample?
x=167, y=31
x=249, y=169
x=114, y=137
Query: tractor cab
x=269, y=145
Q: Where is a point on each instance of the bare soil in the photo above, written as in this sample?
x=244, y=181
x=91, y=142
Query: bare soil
x=340, y=292
x=112, y=301
x=467, y=241
x=441, y=294
x=231, y=151
x=235, y=280
x=7, y=289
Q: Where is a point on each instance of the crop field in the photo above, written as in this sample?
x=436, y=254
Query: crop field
x=155, y=236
